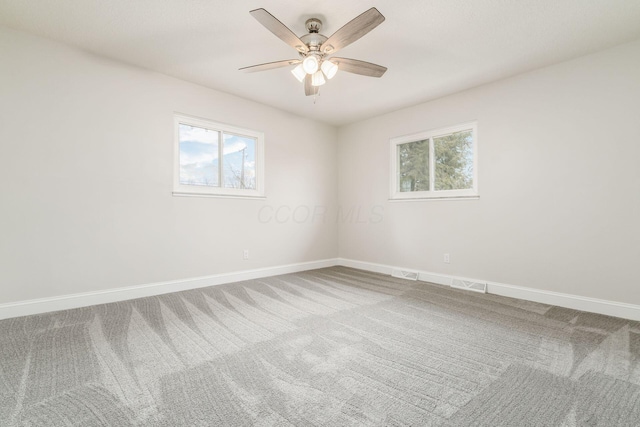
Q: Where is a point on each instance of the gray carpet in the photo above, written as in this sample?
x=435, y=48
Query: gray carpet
x=330, y=347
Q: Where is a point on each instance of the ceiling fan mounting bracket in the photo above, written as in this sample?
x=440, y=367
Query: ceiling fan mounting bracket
x=313, y=25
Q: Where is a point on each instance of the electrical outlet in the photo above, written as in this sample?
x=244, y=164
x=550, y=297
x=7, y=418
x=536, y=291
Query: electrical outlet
x=447, y=260
x=245, y=254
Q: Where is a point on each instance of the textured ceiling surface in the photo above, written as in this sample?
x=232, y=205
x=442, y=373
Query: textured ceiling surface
x=431, y=47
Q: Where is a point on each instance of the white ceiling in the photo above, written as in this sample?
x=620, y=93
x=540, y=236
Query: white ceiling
x=431, y=47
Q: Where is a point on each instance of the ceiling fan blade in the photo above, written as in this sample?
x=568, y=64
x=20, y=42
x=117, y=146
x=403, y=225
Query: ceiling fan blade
x=310, y=89
x=359, y=67
x=269, y=65
x=272, y=24
x=353, y=30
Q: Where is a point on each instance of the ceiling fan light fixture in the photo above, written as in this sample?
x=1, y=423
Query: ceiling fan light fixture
x=317, y=79
x=299, y=73
x=310, y=64
x=329, y=69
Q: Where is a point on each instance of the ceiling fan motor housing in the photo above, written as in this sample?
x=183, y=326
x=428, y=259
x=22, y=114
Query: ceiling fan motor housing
x=313, y=40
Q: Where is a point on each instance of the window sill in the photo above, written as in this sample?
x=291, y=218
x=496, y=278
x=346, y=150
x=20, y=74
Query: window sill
x=218, y=196
x=430, y=199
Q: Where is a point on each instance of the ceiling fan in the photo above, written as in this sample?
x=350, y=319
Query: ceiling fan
x=314, y=49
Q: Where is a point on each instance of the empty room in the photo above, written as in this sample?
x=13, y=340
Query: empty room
x=320, y=213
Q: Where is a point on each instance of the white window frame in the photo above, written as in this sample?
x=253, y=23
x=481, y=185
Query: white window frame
x=396, y=194
x=199, y=190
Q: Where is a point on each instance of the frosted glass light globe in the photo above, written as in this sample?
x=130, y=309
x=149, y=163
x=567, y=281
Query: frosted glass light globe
x=299, y=73
x=310, y=64
x=329, y=69
x=317, y=79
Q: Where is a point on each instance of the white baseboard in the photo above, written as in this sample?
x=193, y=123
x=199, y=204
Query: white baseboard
x=368, y=266
x=64, y=302
x=576, y=302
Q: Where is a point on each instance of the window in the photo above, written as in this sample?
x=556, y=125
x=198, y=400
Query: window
x=440, y=163
x=213, y=159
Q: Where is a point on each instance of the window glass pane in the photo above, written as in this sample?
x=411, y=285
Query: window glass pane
x=413, y=166
x=198, y=156
x=454, y=161
x=239, y=162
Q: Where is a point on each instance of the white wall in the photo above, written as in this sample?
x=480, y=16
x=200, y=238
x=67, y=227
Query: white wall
x=86, y=178
x=86, y=175
x=559, y=181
